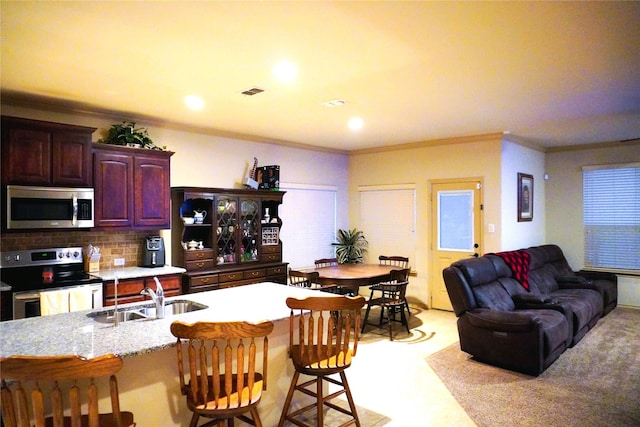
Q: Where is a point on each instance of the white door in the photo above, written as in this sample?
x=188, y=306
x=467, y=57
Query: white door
x=456, y=215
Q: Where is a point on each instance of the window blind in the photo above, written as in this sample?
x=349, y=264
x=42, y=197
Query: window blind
x=611, y=200
x=387, y=220
x=308, y=223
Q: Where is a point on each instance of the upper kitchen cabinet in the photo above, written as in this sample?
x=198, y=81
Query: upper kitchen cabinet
x=44, y=153
x=132, y=187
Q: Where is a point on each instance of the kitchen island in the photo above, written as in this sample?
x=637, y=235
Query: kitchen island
x=148, y=382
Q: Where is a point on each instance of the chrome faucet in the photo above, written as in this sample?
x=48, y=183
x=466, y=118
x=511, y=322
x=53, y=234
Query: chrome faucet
x=115, y=310
x=157, y=297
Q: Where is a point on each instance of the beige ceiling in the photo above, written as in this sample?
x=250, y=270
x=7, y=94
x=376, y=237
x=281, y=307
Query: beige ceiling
x=550, y=73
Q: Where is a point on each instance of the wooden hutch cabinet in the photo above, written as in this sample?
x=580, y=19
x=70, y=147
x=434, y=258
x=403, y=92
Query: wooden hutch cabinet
x=234, y=241
x=132, y=187
x=44, y=153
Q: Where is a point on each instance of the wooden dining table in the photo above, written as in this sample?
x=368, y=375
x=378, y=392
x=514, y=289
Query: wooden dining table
x=352, y=275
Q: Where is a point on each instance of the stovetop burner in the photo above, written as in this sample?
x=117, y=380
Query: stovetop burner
x=44, y=269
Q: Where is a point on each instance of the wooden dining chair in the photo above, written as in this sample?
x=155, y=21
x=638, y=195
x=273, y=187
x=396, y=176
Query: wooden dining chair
x=326, y=262
x=391, y=298
x=323, y=339
x=302, y=279
x=48, y=380
x=396, y=261
x=226, y=377
x=311, y=280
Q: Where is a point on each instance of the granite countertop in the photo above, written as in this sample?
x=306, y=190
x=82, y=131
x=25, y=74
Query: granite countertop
x=77, y=333
x=134, y=272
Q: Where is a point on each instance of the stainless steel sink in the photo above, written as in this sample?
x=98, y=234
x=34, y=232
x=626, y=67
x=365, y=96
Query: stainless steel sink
x=172, y=307
x=147, y=311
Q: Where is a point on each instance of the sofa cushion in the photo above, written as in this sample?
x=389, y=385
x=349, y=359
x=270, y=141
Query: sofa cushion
x=557, y=260
x=483, y=280
x=586, y=305
x=541, y=275
x=518, y=262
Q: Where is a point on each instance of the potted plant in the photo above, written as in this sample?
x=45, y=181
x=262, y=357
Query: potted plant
x=351, y=246
x=126, y=133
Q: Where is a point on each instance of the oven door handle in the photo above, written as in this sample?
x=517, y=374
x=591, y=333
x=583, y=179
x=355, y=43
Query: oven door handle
x=26, y=296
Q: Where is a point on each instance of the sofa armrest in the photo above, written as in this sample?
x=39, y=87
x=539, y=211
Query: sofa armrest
x=597, y=275
x=503, y=321
x=586, y=284
x=521, y=299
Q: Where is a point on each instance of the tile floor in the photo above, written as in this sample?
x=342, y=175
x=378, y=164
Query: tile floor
x=392, y=383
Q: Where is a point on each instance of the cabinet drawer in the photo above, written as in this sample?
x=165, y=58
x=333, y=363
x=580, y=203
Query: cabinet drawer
x=168, y=283
x=198, y=255
x=124, y=299
x=254, y=274
x=125, y=287
x=276, y=271
x=270, y=249
x=209, y=279
x=270, y=257
x=206, y=264
x=229, y=277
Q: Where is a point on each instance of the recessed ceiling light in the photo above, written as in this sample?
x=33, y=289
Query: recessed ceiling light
x=194, y=102
x=356, y=123
x=285, y=71
x=334, y=103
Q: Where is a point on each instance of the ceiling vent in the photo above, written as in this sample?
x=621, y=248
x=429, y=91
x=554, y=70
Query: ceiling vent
x=252, y=91
x=334, y=103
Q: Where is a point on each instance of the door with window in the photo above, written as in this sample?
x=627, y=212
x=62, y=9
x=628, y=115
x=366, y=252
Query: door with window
x=456, y=215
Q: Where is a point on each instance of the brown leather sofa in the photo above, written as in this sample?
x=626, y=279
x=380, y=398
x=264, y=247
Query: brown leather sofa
x=500, y=322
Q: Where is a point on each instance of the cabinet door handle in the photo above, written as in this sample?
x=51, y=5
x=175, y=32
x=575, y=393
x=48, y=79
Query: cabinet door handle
x=200, y=256
x=200, y=264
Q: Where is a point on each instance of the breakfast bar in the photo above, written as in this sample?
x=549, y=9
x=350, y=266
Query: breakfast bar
x=148, y=382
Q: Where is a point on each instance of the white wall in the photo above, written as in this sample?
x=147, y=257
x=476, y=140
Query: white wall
x=519, y=159
x=419, y=166
x=564, y=194
x=213, y=161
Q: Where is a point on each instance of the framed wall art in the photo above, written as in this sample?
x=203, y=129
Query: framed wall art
x=525, y=197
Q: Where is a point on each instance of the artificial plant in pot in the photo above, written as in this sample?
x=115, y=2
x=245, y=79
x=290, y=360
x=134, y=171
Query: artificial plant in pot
x=351, y=246
x=126, y=133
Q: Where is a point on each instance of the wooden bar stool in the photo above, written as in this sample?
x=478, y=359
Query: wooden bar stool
x=21, y=373
x=323, y=338
x=225, y=379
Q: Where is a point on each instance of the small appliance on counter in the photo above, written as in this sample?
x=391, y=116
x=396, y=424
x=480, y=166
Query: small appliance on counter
x=153, y=252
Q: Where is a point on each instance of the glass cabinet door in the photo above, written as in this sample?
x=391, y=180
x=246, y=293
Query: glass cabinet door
x=226, y=229
x=249, y=220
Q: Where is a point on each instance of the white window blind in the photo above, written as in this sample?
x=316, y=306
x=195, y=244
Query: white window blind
x=611, y=197
x=308, y=223
x=387, y=220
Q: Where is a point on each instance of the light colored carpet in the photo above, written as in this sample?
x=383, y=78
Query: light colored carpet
x=595, y=383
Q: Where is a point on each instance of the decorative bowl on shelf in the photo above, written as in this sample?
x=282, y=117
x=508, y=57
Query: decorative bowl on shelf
x=188, y=220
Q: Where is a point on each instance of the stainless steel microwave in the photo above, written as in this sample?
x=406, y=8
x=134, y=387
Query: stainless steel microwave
x=49, y=207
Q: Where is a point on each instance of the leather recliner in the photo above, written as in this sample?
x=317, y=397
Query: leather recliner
x=521, y=333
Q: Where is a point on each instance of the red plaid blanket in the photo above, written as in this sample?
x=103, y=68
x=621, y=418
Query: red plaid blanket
x=518, y=262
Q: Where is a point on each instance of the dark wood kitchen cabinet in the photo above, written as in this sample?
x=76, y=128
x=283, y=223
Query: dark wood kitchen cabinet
x=235, y=243
x=132, y=187
x=44, y=153
x=129, y=289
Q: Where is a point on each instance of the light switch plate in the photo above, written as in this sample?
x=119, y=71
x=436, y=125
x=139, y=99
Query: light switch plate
x=118, y=262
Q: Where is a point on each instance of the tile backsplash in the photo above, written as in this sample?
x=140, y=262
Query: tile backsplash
x=112, y=244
